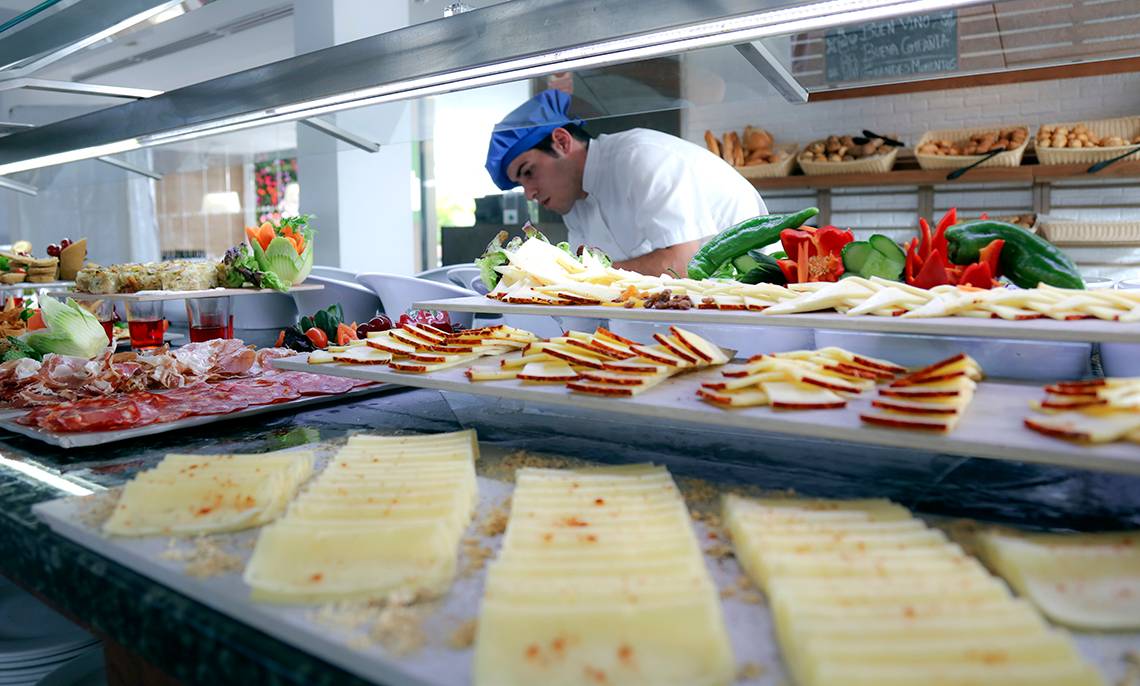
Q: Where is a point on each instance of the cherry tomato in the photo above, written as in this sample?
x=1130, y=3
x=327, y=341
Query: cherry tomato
x=318, y=338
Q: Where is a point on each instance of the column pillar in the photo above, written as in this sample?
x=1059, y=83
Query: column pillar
x=362, y=201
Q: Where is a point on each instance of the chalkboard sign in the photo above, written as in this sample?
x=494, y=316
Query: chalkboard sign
x=919, y=44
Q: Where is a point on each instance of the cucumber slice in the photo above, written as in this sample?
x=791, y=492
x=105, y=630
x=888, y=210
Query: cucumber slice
x=880, y=265
x=765, y=271
x=744, y=263
x=855, y=255
x=888, y=248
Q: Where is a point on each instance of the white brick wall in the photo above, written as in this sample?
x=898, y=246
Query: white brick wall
x=745, y=98
x=748, y=100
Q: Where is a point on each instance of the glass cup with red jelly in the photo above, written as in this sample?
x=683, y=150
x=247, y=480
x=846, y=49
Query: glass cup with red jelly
x=209, y=318
x=146, y=323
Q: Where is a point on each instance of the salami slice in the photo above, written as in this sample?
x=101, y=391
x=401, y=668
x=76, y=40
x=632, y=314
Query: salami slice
x=317, y=384
x=259, y=391
x=94, y=414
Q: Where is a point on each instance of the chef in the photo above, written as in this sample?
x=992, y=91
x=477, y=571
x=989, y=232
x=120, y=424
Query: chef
x=648, y=199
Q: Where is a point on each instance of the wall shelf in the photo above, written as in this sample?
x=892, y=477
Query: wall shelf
x=913, y=176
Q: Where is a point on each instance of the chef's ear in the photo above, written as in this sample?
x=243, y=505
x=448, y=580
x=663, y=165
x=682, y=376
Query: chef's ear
x=561, y=141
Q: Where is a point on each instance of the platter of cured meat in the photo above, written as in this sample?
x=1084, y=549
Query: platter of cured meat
x=71, y=403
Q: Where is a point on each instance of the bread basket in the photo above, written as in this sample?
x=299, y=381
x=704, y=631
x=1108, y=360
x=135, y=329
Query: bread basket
x=1061, y=232
x=876, y=164
x=782, y=168
x=1124, y=127
x=1009, y=158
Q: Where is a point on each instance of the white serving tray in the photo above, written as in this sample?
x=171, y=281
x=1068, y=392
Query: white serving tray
x=1083, y=330
x=146, y=296
x=992, y=426
x=89, y=438
x=749, y=625
x=28, y=285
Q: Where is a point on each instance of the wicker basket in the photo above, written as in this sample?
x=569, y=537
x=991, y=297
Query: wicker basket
x=1091, y=233
x=1125, y=127
x=1009, y=158
x=766, y=171
x=876, y=164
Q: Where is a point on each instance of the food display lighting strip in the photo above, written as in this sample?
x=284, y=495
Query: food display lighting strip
x=45, y=477
x=734, y=30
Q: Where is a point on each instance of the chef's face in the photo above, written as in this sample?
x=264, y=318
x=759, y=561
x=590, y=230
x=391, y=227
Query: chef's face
x=554, y=180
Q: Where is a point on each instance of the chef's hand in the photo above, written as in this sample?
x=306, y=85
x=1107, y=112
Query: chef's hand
x=675, y=257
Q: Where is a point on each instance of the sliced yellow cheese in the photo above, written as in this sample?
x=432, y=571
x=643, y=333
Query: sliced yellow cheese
x=189, y=495
x=1085, y=581
x=600, y=580
x=386, y=515
x=863, y=598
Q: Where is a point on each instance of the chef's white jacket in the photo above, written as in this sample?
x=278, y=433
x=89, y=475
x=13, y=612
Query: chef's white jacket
x=648, y=190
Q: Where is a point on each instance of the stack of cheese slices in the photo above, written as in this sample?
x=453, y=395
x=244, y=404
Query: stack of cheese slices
x=604, y=363
x=600, y=581
x=865, y=595
x=1084, y=581
x=1096, y=411
x=385, y=516
x=200, y=494
x=421, y=348
x=933, y=398
x=799, y=380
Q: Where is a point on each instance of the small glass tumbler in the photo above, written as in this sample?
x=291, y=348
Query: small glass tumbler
x=146, y=324
x=209, y=318
x=104, y=311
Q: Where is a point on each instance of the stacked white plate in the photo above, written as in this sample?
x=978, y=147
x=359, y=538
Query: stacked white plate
x=34, y=640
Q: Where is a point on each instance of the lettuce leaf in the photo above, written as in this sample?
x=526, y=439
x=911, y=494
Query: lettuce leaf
x=71, y=330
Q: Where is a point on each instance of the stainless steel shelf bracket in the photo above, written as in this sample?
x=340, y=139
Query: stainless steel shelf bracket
x=342, y=135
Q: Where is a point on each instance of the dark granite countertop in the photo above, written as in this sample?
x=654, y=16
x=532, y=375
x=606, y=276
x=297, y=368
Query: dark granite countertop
x=195, y=644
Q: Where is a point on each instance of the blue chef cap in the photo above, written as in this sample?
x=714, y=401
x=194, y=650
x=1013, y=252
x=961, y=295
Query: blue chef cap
x=524, y=128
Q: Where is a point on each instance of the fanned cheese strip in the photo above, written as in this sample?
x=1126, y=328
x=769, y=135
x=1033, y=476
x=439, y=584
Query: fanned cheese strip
x=931, y=399
x=1084, y=581
x=1097, y=411
x=864, y=594
x=600, y=581
x=798, y=380
x=200, y=494
x=384, y=516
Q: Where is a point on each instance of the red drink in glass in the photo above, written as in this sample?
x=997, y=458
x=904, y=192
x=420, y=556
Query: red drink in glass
x=146, y=333
x=109, y=327
x=207, y=332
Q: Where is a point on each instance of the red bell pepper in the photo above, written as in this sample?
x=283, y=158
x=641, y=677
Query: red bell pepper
x=814, y=254
x=928, y=263
x=977, y=274
x=991, y=255
x=933, y=272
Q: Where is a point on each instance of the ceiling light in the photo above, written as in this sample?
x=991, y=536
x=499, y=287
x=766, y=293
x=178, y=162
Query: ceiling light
x=224, y=202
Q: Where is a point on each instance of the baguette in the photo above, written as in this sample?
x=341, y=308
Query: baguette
x=711, y=143
x=726, y=152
